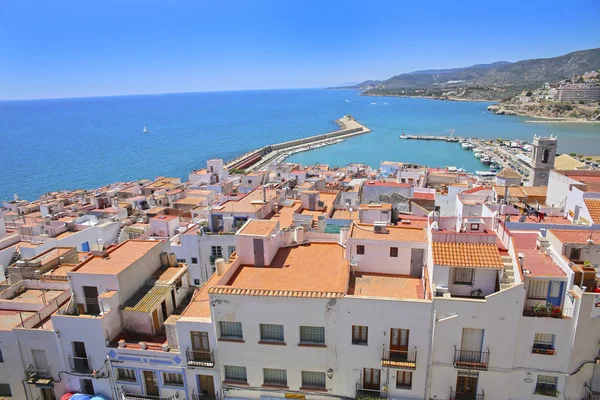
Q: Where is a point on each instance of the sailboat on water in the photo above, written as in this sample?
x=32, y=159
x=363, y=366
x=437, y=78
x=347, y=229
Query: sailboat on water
x=145, y=129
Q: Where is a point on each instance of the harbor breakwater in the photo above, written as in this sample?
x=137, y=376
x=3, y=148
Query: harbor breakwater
x=262, y=156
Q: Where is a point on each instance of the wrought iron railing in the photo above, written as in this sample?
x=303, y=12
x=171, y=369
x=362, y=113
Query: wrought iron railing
x=590, y=394
x=454, y=395
x=35, y=375
x=133, y=396
x=399, y=359
x=363, y=393
x=473, y=360
x=546, y=391
x=202, y=396
x=82, y=365
x=200, y=358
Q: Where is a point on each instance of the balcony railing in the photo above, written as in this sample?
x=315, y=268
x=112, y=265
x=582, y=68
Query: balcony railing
x=38, y=376
x=539, y=350
x=473, y=360
x=200, y=358
x=546, y=391
x=466, y=395
x=548, y=311
x=133, y=396
x=399, y=359
x=201, y=396
x=81, y=365
x=590, y=394
x=369, y=394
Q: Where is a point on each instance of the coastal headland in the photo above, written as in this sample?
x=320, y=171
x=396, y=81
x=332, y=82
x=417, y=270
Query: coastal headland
x=260, y=157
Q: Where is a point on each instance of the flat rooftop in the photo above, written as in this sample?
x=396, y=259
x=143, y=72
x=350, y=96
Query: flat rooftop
x=386, y=285
x=285, y=215
x=345, y=214
x=259, y=227
x=539, y=265
x=315, y=267
x=394, y=233
x=119, y=258
x=37, y=296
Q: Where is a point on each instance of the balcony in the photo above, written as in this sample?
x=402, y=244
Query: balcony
x=466, y=395
x=80, y=365
x=369, y=394
x=590, y=394
x=201, y=396
x=473, y=360
x=200, y=358
x=37, y=376
x=539, y=350
x=548, y=311
x=399, y=359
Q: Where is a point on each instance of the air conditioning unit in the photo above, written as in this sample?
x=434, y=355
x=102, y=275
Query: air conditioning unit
x=441, y=290
x=380, y=227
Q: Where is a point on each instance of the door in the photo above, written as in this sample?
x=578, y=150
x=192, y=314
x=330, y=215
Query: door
x=200, y=346
x=399, y=344
x=466, y=386
x=90, y=294
x=39, y=360
x=174, y=299
x=371, y=378
x=259, y=253
x=80, y=361
x=555, y=290
x=312, y=202
x=85, y=246
x=206, y=387
x=595, y=383
x=416, y=262
x=155, y=320
x=163, y=308
x=576, y=213
x=47, y=394
x=471, y=345
x=151, y=383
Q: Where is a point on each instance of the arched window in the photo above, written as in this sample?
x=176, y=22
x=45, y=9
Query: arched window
x=546, y=155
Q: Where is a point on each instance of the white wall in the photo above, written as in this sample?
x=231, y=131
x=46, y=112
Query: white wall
x=377, y=255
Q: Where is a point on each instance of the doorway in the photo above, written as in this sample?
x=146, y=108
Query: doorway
x=399, y=344
x=151, y=383
x=200, y=346
x=416, y=262
x=466, y=386
x=206, y=387
x=90, y=294
x=371, y=379
x=155, y=321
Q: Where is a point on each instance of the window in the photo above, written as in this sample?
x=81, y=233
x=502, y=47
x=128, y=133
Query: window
x=275, y=377
x=194, y=260
x=5, y=390
x=231, y=330
x=360, y=334
x=464, y=276
x=537, y=289
x=181, y=260
x=235, y=374
x=312, y=334
x=393, y=252
x=197, y=282
x=545, y=155
x=126, y=374
x=216, y=252
x=360, y=249
x=271, y=333
x=172, y=379
x=475, y=227
x=1, y=358
x=543, y=343
x=314, y=380
x=403, y=380
x=575, y=254
x=546, y=385
x=230, y=250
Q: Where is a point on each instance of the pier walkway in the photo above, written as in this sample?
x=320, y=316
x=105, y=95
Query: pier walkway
x=261, y=157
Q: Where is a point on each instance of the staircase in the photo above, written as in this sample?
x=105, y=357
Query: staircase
x=120, y=238
x=508, y=278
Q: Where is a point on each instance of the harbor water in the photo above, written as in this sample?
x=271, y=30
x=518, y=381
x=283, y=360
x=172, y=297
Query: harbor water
x=84, y=143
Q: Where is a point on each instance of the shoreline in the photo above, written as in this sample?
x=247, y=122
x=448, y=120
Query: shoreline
x=429, y=97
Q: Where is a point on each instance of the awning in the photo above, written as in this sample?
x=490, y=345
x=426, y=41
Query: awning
x=67, y=396
x=80, y=396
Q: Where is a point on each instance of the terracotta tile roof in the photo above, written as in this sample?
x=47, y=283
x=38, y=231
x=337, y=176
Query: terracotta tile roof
x=508, y=173
x=295, y=270
x=476, y=255
x=593, y=206
x=274, y=293
x=120, y=258
x=395, y=233
x=575, y=236
x=259, y=227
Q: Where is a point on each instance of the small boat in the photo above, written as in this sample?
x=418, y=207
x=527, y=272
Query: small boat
x=477, y=155
x=452, y=140
x=403, y=136
x=467, y=146
x=145, y=129
x=486, y=160
x=451, y=169
x=484, y=174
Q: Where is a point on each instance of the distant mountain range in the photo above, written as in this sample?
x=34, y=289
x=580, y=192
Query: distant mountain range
x=508, y=75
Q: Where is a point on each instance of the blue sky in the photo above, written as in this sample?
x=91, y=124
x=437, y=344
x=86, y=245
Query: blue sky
x=95, y=48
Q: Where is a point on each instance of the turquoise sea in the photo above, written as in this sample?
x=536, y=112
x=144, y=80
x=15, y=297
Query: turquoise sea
x=87, y=142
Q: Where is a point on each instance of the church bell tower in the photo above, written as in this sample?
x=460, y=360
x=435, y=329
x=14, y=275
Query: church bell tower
x=542, y=160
